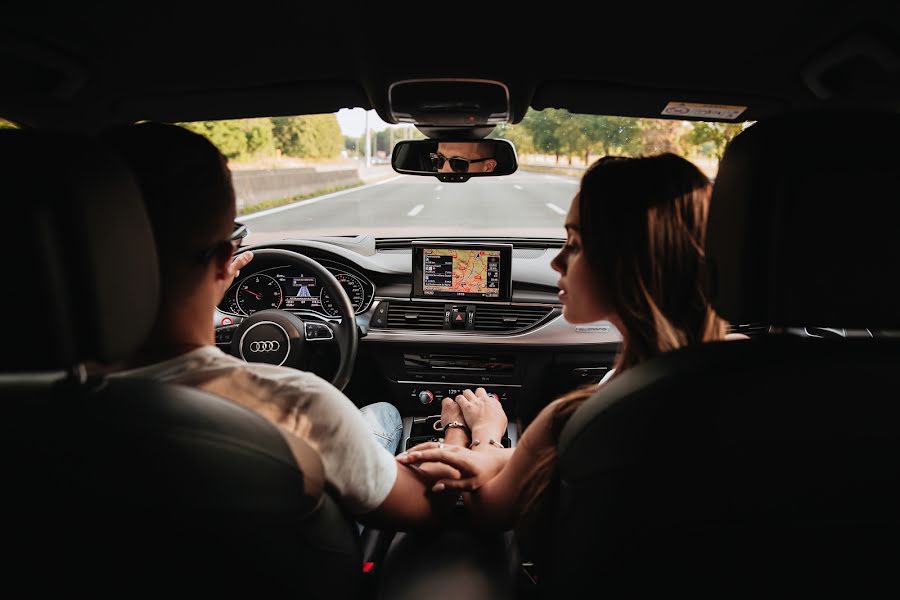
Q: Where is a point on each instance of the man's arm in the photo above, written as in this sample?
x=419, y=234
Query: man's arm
x=410, y=502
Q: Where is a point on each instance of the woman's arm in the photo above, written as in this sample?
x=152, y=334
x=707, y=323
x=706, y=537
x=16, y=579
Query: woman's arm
x=494, y=500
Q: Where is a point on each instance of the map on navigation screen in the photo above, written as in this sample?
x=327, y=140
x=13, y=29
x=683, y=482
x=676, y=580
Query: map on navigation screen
x=461, y=271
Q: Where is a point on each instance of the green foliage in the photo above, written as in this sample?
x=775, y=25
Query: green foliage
x=518, y=135
x=662, y=135
x=544, y=127
x=560, y=133
x=710, y=139
x=260, y=137
x=308, y=136
x=227, y=136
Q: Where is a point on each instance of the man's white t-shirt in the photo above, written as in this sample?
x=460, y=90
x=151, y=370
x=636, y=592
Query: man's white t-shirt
x=607, y=377
x=358, y=467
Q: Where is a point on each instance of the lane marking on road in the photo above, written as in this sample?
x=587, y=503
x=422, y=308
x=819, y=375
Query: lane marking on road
x=438, y=188
x=415, y=210
x=555, y=208
x=518, y=187
x=278, y=209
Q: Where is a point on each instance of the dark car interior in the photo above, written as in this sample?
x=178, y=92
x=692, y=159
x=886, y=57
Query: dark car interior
x=762, y=466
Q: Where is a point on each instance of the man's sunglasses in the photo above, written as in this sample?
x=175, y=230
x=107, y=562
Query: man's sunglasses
x=232, y=244
x=457, y=165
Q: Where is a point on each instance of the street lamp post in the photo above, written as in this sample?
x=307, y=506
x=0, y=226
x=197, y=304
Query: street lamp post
x=368, y=143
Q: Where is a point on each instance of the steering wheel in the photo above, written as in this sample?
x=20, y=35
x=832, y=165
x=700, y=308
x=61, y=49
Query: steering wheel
x=278, y=337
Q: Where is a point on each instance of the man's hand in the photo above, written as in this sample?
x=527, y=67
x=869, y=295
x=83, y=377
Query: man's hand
x=239, y=262
x=483, y=413
x=225, y=277
x=451, y=411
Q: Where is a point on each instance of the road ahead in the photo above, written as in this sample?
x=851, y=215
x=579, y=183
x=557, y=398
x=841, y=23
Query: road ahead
x=523, y=204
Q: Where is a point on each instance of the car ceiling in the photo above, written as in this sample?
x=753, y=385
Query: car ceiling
x=90, y=67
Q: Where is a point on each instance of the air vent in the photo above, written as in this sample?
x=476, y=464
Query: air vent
x=508, y=318
x=749, y=329
x=415, y=315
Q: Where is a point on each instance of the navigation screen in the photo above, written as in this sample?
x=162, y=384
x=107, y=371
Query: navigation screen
x=462, y=272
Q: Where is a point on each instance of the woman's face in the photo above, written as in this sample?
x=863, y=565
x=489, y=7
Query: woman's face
x=579, y=286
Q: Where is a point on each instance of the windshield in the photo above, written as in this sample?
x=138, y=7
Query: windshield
x=330, y=174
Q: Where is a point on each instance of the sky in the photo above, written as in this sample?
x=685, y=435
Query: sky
x=353, y=121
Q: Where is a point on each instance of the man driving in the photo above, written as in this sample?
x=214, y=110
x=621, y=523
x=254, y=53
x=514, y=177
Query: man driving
x=190, y=200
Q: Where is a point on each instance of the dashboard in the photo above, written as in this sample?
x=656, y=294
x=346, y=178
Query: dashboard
x=434, y=318
x=289, y=288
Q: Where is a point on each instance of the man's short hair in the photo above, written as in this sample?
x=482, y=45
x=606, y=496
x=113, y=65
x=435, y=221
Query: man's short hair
x=186, y=186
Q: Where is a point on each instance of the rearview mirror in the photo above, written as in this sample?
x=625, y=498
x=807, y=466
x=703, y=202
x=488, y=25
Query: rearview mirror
x=455, y=161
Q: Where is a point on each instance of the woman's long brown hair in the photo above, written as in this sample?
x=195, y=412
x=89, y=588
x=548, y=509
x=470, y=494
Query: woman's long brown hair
x=643, y=224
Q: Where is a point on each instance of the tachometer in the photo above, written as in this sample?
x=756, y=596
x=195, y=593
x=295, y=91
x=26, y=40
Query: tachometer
x=257, y=292
x=354, y=289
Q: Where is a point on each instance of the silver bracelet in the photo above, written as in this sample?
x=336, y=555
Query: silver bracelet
x=492, y=442
x=450, y=425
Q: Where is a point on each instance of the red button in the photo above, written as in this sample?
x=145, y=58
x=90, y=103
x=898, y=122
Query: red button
x=227, y=321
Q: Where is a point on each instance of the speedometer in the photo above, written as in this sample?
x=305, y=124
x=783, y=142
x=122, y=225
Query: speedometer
x=257, y=292
x=354, y=289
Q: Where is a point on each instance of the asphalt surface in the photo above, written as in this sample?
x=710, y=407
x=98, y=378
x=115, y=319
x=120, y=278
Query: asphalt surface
x=523, y=204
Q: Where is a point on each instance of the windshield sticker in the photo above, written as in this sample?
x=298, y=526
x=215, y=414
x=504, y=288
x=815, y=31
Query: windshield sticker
x=710, y=111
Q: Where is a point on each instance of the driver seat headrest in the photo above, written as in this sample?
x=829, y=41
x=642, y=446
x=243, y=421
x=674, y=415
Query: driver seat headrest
x=81, y=274
x=802, y=225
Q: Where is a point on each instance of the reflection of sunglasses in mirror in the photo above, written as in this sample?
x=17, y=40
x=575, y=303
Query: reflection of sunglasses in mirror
x=457, y=164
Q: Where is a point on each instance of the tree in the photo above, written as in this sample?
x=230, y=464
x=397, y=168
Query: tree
x=662, y=135
x=308, y=136
x=227, y=136
x=518, y=135
x=711, y=139
x=260, y=137
x=544, y=128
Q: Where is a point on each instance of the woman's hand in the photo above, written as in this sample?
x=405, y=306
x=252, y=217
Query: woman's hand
x=474, y=468
x=483, y=413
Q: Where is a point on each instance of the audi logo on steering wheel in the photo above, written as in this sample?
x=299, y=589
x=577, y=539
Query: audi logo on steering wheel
x=266, y=346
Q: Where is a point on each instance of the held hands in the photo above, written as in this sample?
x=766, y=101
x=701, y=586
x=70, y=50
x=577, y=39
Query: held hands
x=451, y=411
x=483, y=414
x=469, y=469
x=432, y=472
x=451, y=465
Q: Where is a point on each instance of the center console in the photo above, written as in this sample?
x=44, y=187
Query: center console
x=417, y=430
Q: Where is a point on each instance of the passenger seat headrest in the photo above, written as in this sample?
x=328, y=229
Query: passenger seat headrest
x=804, y=225
x=80, y=272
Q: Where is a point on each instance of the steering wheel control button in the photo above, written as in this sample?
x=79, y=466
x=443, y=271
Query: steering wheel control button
x=227, y=321
x=426, y=397
x=316, y=332
x=266, y=342
x=224, y=335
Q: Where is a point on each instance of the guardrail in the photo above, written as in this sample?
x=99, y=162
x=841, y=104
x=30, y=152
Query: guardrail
x=256, y=186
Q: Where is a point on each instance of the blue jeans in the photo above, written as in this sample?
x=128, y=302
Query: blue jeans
x=384, y=420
